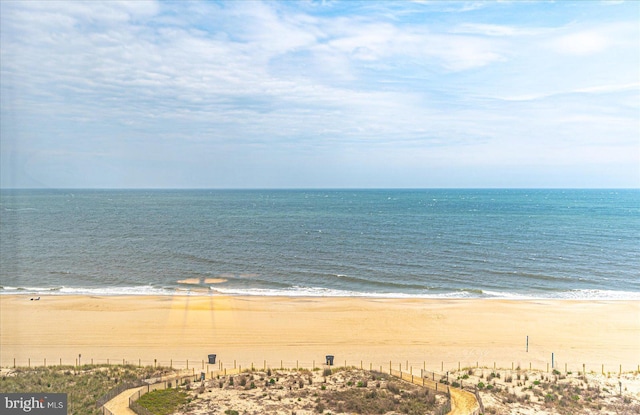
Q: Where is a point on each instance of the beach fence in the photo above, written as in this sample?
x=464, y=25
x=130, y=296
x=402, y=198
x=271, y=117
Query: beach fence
x=428, y=380
x=415, y=368
x=117, y=391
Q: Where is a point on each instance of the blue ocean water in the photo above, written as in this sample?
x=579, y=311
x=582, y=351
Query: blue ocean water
x=380, y=243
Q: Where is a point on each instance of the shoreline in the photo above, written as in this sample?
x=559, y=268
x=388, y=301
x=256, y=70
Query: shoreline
x=114, y=292
x=431, y=333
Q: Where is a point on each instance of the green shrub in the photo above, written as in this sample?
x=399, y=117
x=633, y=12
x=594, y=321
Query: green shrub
x=163, y=402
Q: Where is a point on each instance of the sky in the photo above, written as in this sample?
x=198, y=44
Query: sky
x=319, y=94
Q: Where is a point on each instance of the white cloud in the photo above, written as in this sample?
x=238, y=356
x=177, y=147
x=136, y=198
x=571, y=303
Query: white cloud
x=498, y=30
x=581, y=43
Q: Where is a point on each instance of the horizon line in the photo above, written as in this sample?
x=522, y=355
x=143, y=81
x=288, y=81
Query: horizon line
x=318, y=188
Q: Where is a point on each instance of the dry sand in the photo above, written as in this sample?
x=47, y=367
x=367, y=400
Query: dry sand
x=417, y=333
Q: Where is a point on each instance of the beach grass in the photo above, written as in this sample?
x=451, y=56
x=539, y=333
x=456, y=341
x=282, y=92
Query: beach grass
x=163, y=401
x=84, y=385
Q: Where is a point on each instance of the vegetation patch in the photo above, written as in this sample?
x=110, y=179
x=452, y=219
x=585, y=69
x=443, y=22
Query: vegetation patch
x=380, y=401
x=164, y=401
x=83, y=385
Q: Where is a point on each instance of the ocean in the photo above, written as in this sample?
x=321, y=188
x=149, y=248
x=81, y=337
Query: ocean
x=494, y=243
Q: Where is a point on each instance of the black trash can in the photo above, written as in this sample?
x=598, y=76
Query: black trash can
x=212, y=359
x=329, y=360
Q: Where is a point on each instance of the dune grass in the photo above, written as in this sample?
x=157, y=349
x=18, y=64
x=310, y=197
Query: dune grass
x=163, y=401
x=83, y=385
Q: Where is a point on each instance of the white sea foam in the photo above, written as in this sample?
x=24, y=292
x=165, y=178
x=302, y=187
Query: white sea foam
x=598, y=295
x=98, y=291
x=298, y=291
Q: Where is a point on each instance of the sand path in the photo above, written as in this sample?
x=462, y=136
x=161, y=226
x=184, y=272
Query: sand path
x=462, y=402
x=120, y=404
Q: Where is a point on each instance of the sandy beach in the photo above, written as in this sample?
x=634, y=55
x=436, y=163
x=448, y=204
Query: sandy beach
x=419, y=333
